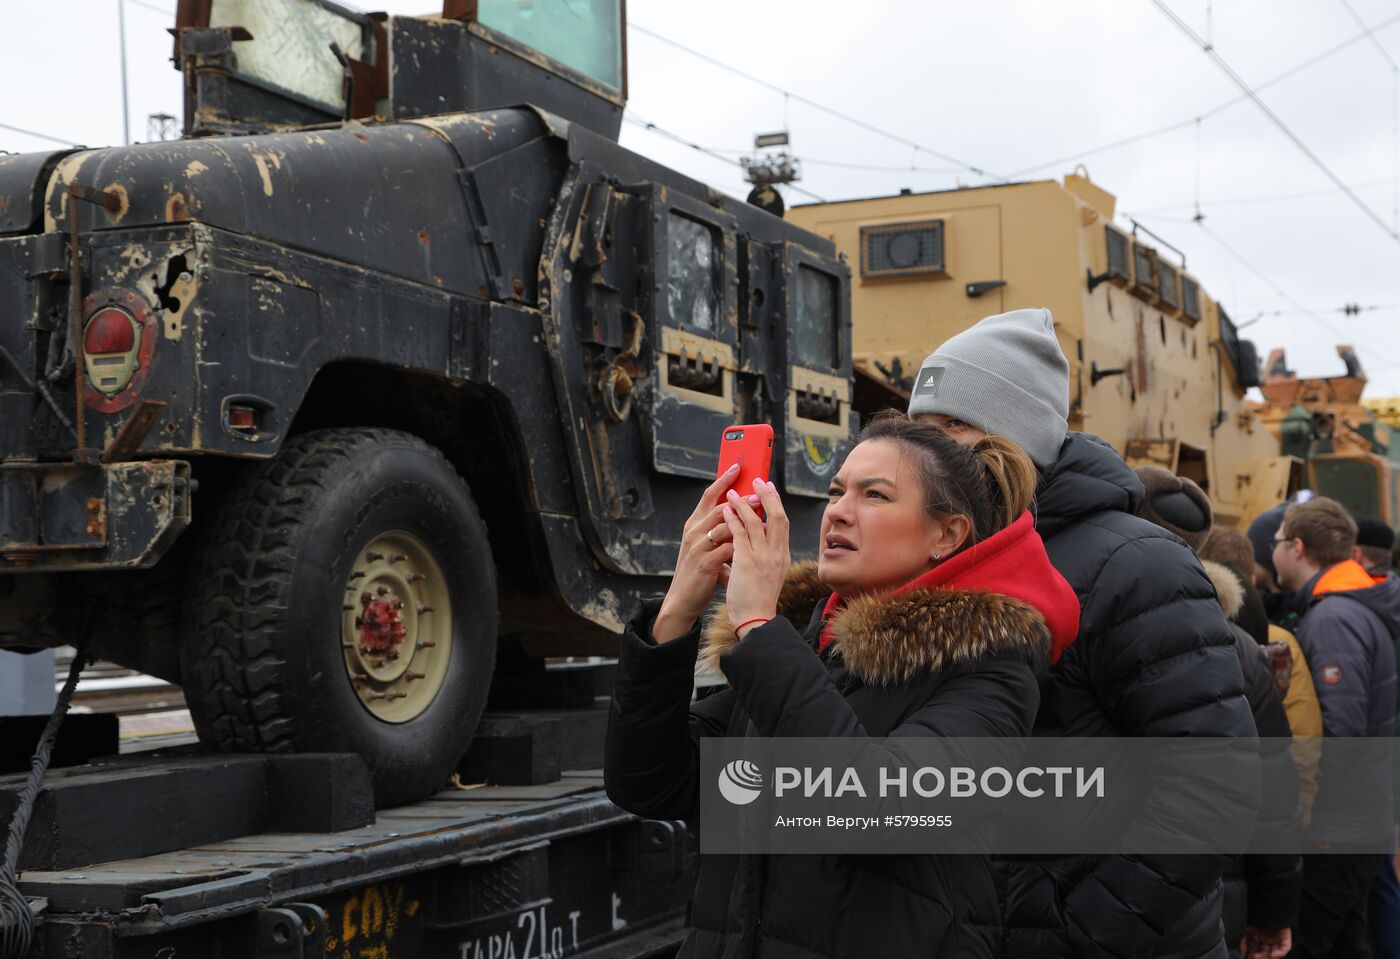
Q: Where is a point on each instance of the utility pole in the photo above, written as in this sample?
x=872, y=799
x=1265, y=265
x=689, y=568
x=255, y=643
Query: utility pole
x=121, y=39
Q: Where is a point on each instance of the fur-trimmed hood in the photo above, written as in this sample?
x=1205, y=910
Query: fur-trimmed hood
x=890, y=638
x=1228, y=589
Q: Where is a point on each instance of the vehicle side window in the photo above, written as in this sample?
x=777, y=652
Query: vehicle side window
x=584, y=36
x=692, y=273
x=816, y=339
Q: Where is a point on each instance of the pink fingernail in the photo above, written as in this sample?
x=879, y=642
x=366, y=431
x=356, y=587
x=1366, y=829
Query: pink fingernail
x=728, y=510
x=732, y=468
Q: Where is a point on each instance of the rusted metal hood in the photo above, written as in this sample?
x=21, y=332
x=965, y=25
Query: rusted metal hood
x=22, y=177
x=377, y=195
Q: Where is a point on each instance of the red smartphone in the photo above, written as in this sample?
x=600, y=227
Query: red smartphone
x=751, y=446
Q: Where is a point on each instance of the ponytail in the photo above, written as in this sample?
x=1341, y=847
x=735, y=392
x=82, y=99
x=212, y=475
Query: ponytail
x=1011, y=476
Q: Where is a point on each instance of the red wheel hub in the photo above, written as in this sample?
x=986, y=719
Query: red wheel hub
x=381, y=626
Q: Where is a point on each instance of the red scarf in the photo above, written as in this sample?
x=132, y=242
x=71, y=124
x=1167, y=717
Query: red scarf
x=1012, y=562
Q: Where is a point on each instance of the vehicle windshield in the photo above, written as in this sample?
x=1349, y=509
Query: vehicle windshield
x=291, y=52
x=584, y=35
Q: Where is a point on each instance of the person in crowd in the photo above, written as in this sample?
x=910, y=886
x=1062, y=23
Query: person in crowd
x=1347, y=629
x=1227, y=549
x=1261, y=888
x=1261, y=536
x=1154, y=655
x=931, y=612
x=1375, y=542
x=1226, y=554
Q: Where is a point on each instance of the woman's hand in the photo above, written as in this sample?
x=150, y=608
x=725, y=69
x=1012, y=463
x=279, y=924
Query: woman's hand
x=760, y=555
x=705, y=549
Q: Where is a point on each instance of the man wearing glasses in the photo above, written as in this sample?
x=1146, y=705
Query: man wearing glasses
x=1347, y=633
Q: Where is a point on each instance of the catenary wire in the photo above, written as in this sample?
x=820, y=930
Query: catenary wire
x=1206, y=114
x=150, y=6
x=1370, y=34
x=1274, y=198
x=646, y=125
x=1235, y=78
x=1311, y=314
x=843, y=164
x=1394, y=113
x=1298, y=307
x=830, y=111
x=33, y=133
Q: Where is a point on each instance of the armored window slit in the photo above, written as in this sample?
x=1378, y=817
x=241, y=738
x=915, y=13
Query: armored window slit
x=1168, y=288
x=1116, y=244
x=1191, y=299
x=695, y=373
x=1145, y=276
x=820, y=406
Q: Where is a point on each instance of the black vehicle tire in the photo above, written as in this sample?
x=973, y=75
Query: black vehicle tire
x=266, y=664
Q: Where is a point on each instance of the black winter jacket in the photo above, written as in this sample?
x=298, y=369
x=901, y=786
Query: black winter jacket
x=1262, y=889
x=931, y=663
x=1154, y=657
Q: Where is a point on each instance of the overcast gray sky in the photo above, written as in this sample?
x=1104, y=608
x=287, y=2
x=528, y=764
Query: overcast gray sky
x=1016, y=88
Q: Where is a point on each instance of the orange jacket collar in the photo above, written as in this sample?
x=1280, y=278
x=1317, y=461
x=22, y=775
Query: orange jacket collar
x=1348, y=574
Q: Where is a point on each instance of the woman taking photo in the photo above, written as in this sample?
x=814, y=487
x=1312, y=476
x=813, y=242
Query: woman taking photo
x=931, y=612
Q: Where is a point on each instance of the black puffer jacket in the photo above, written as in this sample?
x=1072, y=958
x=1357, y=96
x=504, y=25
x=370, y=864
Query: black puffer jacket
x=948, y=662
x=1262, y=888
x=1154, y=657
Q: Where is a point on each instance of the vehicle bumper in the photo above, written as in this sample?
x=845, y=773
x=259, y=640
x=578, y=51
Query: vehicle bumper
x=67, y=516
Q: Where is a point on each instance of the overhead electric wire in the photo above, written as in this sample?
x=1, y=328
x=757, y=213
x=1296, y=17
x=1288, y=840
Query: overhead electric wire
x=1274, y=198
x=1370, y=34
x=1207, y=114
x=708, y=151
x=878, y=168
x=1349, y=311
x=151, y=6
x=844, y=164
x=1394, y=114
x=1125, y=141
x=1300, y=309
x=807, y=101
x=33, y=133
x=1235, y=78
x=1312, y=314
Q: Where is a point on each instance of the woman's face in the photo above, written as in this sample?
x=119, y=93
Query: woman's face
x=876, y=535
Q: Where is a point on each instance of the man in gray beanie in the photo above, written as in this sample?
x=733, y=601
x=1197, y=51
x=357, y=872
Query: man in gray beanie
x=1007, y=376
x=1154, y=655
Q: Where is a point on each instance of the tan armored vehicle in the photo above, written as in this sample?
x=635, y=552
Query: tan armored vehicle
x=1386, y=408
x=1350, y=446
x=1157, y=367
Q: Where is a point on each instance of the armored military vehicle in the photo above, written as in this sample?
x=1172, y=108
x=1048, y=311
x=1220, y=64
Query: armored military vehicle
x=1157, y=367
x=1385, y=408
x=1349, y=450
x=395, y=356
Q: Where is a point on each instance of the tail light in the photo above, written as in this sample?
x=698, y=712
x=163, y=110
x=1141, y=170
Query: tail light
x=111, y=343
x=242, y=418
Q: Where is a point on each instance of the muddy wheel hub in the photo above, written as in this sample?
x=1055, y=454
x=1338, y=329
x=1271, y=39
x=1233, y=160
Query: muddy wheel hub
x=381, y=626
x=396, y=626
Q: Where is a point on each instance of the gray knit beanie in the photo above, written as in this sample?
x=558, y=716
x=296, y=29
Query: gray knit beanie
x=1005, y=375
